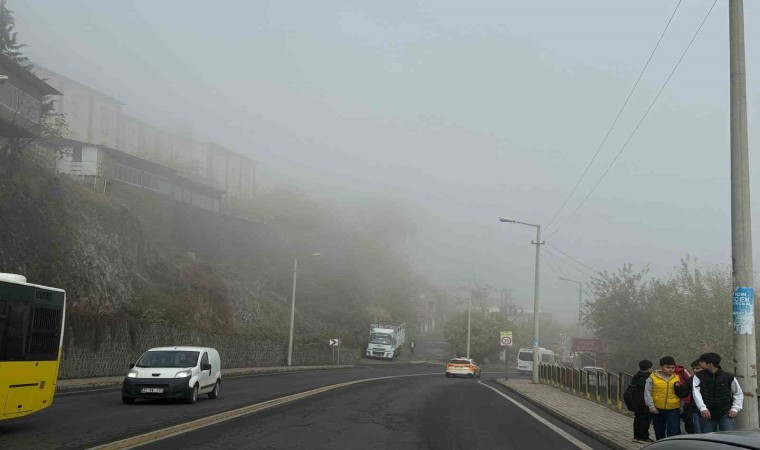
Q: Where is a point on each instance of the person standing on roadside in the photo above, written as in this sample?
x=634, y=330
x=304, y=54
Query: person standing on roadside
x=717, y=395
x=683, y=376
x=662, y=401
x=690, y=414
x=642, y=418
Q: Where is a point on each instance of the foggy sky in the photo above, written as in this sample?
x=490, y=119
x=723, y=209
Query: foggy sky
x=459, y=111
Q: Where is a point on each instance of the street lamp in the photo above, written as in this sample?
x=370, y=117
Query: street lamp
x=580, y=301
x=469, y=321
x=536, y=357
x=293, y=305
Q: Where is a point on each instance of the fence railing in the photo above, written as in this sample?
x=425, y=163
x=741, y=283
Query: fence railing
x=600, y=386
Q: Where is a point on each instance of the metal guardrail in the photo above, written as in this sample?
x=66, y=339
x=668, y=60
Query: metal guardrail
x=599, y=386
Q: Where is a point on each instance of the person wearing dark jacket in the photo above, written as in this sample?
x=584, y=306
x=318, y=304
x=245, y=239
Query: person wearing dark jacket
x=690, y=414
x=717, y=395
x=642, y=418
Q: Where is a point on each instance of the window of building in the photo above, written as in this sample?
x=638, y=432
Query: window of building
x=128, y=174
x=76, y=153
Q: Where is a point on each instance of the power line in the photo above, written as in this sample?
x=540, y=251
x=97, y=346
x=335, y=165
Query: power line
x=584, y=265
x=551, y=266
x=566, y=263
x=640, y=122
x=614, y=122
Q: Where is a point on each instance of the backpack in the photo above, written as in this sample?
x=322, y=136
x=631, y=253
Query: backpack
x=629, y=397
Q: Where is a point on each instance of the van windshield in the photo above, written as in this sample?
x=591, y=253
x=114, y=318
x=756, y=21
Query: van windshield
x=525, y=356
x=168, y=358
x=378, y=338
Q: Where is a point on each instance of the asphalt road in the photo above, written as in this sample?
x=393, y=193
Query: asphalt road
x=417, y=412
x=410, y=413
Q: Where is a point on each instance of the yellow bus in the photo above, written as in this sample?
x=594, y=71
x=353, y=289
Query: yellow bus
x=31, y=335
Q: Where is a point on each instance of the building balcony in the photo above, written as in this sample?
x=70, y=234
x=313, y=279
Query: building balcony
x=19, y=109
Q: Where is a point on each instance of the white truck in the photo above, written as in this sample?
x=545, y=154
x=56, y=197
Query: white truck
x=385, y=340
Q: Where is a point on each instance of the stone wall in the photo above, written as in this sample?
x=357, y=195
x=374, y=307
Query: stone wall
x=123, y=344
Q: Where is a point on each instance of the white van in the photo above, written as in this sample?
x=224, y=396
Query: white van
x=174, y=372
x=525, y=358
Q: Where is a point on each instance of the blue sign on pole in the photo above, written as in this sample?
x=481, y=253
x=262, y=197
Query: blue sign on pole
x=744, y=312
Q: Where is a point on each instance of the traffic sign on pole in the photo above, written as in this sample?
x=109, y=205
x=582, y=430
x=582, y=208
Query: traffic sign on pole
x=506, y=339
x=334, y=342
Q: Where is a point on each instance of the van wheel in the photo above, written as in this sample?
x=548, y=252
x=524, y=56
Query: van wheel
x=214, y=392
x=127, y=400
x=193, y=397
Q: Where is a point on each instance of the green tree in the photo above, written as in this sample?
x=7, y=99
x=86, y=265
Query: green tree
x=485, y=328
x=9, y=45
x=682, y=315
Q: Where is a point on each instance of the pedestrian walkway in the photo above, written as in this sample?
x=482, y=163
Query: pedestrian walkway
x=607, y=426
x=79, y=384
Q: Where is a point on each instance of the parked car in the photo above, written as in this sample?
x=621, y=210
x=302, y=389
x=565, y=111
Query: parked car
x=724, y=440
x=173, y=373
x=462, y=367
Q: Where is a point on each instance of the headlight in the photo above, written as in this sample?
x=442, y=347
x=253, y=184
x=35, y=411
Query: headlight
x=183, y=374
x=132, y=374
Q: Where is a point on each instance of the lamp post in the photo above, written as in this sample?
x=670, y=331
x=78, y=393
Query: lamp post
x=293, y=305
x=537, y=243
x=469, y=320
x=580, y=301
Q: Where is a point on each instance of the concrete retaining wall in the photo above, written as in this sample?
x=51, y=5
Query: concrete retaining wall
x=122, y=345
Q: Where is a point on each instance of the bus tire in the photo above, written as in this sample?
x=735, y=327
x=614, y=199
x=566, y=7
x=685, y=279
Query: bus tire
x=127, y=400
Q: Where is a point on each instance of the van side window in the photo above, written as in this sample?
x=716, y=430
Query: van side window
x=204, y=359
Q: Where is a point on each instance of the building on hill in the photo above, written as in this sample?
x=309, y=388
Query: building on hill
x=100, y=165
x=98, y=119
x=22, y=96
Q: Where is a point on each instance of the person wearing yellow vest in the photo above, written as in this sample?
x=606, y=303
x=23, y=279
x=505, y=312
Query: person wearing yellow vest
x=660, y=396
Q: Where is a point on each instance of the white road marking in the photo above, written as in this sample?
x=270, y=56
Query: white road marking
x=557, y=429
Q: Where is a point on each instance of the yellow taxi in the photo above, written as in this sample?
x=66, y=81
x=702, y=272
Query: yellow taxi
x=462, y=367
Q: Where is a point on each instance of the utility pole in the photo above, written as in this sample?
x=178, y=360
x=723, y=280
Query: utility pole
x=536, y=309
x=580, y=302
x=537, y=243
x=741, y=228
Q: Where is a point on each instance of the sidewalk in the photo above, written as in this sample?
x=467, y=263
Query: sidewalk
x=603, y=424
x=80, y=384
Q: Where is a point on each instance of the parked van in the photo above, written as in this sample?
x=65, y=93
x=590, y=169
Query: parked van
x=525, y=358
x=174, y=372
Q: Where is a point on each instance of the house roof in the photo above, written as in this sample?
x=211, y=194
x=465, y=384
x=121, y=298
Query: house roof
x=71, y=80
x=14, y=69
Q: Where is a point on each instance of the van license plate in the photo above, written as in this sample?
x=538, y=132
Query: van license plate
x=152, y=390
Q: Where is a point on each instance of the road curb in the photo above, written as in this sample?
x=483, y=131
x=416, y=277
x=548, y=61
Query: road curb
x=567, y=419
x=69, y=386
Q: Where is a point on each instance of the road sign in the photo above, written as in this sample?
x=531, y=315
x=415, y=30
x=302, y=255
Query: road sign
x=334, y=342
x=506, y=339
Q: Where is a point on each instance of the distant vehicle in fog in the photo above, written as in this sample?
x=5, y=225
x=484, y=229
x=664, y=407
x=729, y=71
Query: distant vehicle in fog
x=385, y=341
x=525, y=358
